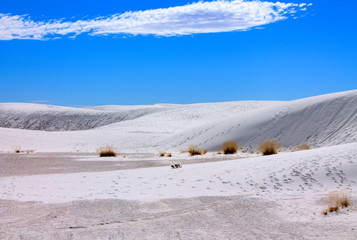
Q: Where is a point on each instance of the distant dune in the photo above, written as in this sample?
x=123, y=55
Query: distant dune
x=318, y=121
x=55, y=118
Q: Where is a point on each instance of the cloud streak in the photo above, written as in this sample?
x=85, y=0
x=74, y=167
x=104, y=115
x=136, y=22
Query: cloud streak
x=200, y=17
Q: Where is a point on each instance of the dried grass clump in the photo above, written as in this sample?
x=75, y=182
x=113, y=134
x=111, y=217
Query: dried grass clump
x=193, y=150
x=106, y=152
x=29, y=151
x=343, y=199
x=340, y=199
x=337, y=200
x=229, y=147
x=301, y=147
x=333, y=209
x=163, y=154
x=17, y=149
x=269, y=147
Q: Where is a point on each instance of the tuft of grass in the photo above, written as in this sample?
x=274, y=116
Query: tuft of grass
x=343, y=199
x=229, y=147
x=337, y=200
x=17, y=149
x=106, y=152
x=333, y=209
x=269, y=147
x=301, y=147
x=193, y=150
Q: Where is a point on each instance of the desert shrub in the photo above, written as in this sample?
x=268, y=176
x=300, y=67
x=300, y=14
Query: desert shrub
x=302, y=147
x=343, y=199
x=193, y=150
x=337, y=200
x=162, y=154
x=333, y=209
x=229, y=147
x=269, y=147
x=169, y=155
x=17, y=149
x=106, y=152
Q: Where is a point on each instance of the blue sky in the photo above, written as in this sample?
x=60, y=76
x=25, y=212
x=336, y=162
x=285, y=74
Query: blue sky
x=80, y=53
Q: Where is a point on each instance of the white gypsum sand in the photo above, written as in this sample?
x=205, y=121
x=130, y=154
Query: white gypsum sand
x=272, y=197
x=319, y=121
x=314, y=171
x=137, y=132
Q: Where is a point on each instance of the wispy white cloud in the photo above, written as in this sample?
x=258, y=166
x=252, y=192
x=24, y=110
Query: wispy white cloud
x=200, y=17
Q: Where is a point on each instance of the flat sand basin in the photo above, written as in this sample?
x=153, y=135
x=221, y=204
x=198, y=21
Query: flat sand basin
x=22, y=164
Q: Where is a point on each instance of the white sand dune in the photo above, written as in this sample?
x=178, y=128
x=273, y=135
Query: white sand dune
x=318, y=121
x=269, y=197
x=139, y=128
x=55, y=118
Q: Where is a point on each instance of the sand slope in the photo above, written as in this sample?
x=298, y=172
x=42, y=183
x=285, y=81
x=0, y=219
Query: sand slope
x=319, y=121
x=55, y=118
x=136, y=132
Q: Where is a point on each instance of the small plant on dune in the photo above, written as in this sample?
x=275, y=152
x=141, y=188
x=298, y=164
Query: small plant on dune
x=17, y=149
x=162, y=154
x=269, y=147
x=229, y=147
x=106, y=152
x=302, y=147
x=333, y=209
x=169, y=155
x=337, y=200
x=343, y=199
x=340, y=199
x=29, y=151
x=193, y=150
